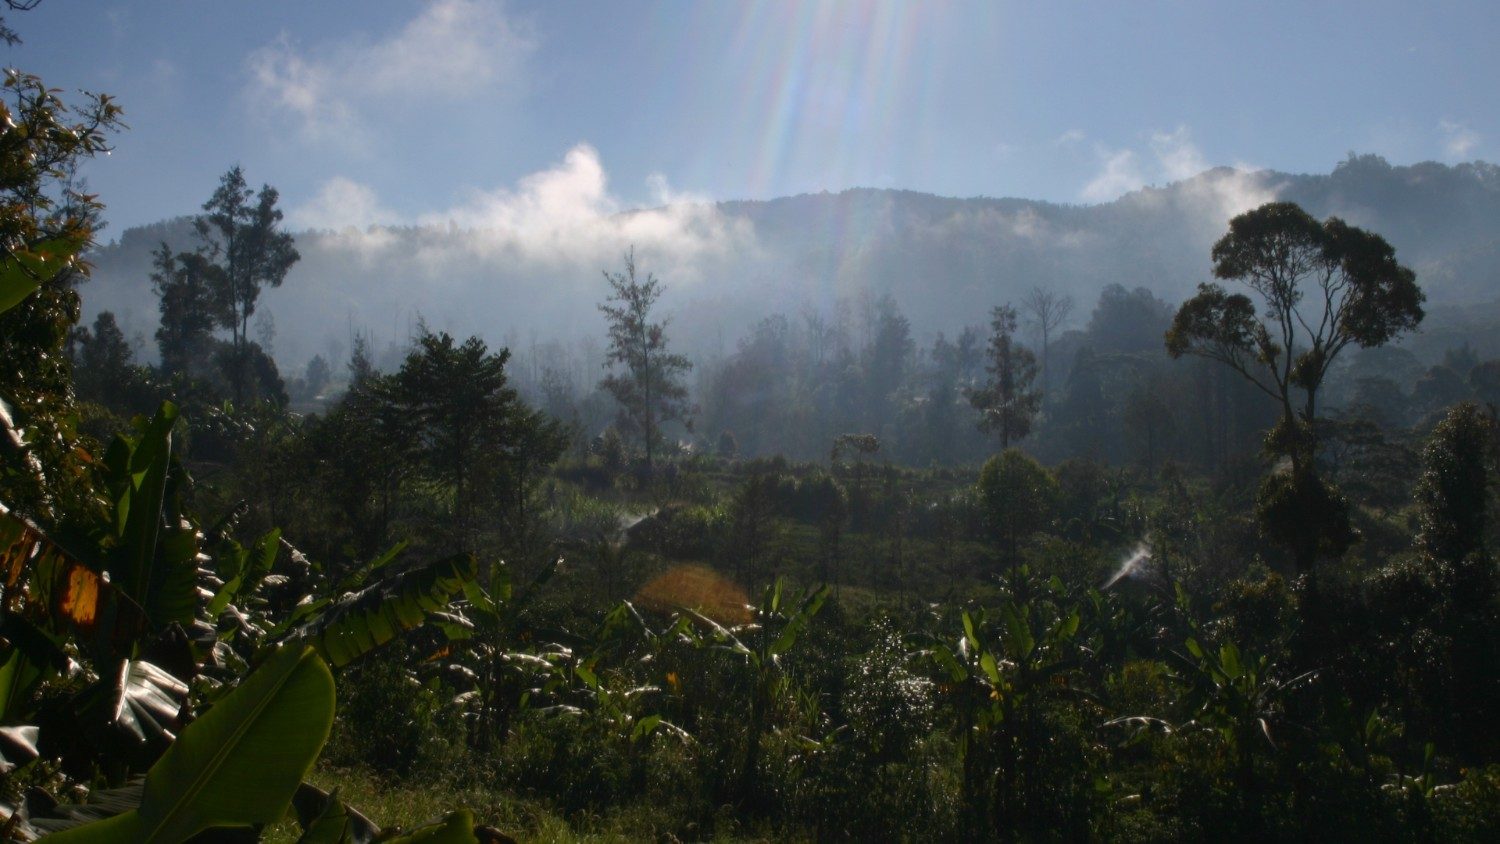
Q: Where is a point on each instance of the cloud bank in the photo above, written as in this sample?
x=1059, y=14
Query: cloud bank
x=559, y=218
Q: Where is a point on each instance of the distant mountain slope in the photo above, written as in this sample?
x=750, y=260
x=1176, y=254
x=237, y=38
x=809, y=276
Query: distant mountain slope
x=945, y=260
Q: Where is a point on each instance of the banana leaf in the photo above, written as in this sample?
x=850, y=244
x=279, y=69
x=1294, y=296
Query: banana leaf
x=359, y=622
x=324, y=817
x=17, y=747
x=156, y=568
x=236, y=766
x=454, y=828
x=58, y=593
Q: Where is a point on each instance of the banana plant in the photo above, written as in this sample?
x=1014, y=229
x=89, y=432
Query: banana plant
x=238, y=765
x=996, y=675
x=601, y=687
x=241, y=766
x=502, y=665
x=134, y=592
x=346, y=627
x=1238, y=698
x=759, y=646
x=124, y=589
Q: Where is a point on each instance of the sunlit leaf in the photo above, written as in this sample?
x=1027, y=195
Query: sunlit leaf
x=359, y=622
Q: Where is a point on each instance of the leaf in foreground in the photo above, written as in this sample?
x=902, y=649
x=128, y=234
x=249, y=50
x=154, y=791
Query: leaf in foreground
x=239, y=764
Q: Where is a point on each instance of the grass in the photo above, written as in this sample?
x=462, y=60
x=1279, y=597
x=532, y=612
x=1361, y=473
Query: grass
x=408, y=805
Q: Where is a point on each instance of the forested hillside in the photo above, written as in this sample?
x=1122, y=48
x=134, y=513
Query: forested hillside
x=731, y=264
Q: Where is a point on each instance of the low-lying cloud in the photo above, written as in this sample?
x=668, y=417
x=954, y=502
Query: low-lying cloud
x=558, y=218
x=1174, y=157
x=1459, y=141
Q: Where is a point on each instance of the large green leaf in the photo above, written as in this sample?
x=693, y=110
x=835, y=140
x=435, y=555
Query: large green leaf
x=245, y=569
x=327, y=819
x=454, y=828
x=806, y=609
x=138, y=483
x=239, y=764
x=29, y=269
x=359, y=622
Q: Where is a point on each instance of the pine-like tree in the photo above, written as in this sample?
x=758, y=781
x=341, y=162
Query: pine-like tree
x=645, y=378
x=1009, y=401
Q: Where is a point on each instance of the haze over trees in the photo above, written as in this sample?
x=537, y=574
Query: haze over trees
x=648, y=385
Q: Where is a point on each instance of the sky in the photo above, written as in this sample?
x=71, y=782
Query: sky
x=478, y=112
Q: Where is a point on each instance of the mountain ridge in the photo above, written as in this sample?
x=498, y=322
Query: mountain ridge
x=946, y=260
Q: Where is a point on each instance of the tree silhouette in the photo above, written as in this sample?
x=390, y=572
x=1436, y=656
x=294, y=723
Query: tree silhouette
x=1008, y=402
x=1019, y=497
x=1046, y=312
x=190, y=306
x=240, y=237
x=1322, y=286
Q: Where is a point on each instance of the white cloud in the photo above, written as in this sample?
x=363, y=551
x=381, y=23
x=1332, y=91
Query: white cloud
x=566, y=215
x=1070, y=137
x=1174, y=157
x=454, y=50
x=563, y=217
x=341, y=204
x=1119, y=173
x=1459, y=140
x=1177, y=155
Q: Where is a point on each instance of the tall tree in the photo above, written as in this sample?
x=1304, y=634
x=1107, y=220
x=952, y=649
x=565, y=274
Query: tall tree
x=1046, y=312
x=1454, y=500
x=1322, y=286
x=46, y=218
x=886, y=357
x=240, y=233
x=462, y=411
x=103, y=367
x=648, y=383
x=1008, y=402
x=1453, y=495
x=1019, y=497
x=188, y=298
x=1128, y=321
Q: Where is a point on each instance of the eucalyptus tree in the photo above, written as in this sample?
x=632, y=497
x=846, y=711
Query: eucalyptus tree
x=240, y=238
x=1046, y=312
x=1321, y=288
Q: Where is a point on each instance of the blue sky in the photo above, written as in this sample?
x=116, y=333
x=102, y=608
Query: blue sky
x=474, y=111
